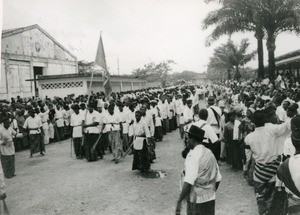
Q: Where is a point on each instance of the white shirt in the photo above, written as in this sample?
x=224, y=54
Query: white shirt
x=100, y=103
x=187, y=114
x=171, y=110
x=131, y=116
x=125, y=121
x=76, y=122
x=281, y=113
x=59, y=118
x=44, y=116
x=163, y=110
x=211, y=119
x=178, y=104
x=82, y=112
x=236, y=129
x=101, y=118
x=141, y=129
x=209, y=131
x=92, y=118
x=149, y=122
x=194, y=169
x=263, y=142
x=112, y=122
x=156, y=114
x=181, y=117
x=289, y=148
x=6, y=137
x=33, y=123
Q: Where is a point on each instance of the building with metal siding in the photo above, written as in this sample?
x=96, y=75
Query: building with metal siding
x=27, y=53
x=289, y=63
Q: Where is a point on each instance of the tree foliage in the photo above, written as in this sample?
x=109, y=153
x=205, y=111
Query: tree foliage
x=85, y=67
x=277, y=16
x=230, y=56
x=186, y=76
x=265, y=17
x=153, y=72
x=236, y=16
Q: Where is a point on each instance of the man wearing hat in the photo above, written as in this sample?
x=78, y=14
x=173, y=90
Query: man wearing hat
x=213, y=119
x=288, y=171
x=201, y=176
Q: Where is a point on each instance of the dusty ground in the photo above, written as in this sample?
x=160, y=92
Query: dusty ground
x=58, y=184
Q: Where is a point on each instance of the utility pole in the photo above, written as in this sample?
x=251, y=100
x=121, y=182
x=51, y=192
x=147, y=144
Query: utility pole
x=118, y=66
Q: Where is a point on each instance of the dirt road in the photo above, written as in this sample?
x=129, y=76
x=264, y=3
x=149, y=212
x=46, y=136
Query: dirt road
x=58, y=184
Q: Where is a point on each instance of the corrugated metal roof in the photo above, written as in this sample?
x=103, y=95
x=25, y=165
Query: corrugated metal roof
x=288, y=55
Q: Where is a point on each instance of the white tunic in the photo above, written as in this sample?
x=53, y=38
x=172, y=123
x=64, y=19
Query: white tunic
x=76, y=123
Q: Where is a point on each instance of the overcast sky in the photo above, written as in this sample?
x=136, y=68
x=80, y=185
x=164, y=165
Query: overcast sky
x=135, y=31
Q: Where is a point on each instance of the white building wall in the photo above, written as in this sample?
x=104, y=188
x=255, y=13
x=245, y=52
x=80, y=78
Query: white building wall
x=62, y=88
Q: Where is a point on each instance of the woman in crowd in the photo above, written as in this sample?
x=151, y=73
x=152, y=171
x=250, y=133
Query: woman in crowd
x=7, y=149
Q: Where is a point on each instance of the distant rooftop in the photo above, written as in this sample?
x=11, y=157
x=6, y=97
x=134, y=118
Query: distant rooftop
x=288, y=55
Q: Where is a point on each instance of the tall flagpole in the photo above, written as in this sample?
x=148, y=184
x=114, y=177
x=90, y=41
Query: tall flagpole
x=118, y=67
x=101, y=62
x=89, y=96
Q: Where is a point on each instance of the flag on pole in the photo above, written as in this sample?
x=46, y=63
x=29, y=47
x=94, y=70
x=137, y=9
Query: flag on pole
x=100, y=61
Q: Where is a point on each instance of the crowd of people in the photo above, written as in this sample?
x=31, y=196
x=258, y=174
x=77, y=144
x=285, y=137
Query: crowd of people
x=254, y=126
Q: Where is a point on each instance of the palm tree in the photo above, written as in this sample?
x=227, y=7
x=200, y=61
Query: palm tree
x=277, y=16
x=264, y=17
x=230, y=56
x=237, y=16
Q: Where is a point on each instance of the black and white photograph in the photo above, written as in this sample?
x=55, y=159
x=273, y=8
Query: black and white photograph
x=150, y=107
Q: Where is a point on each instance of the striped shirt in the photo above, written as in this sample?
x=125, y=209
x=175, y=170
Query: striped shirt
x=263, y=144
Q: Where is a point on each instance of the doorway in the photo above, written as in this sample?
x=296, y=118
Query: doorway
x=36, y=72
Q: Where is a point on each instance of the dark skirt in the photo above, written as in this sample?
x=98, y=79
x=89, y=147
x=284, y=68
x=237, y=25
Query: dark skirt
x=171, y=125
x=229, y=152
x=205, y=208
x=181, y=131
x=60, y=133
x=215, y=149
x=90, y=140
x=237, y=155
x=164, y=126
x=264, y=196
x=168, y=126
x=125, y=141
x=25, y=141
x=102, y=144
x=141, y=159
x=158, y=133
x=36, y=143
x=151, y=149
x=78, y=147
x=8, y=165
